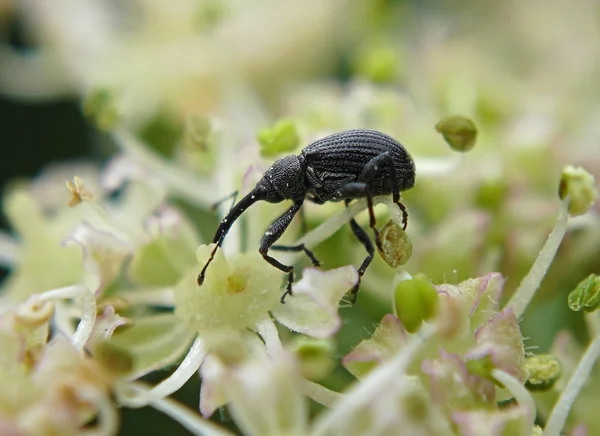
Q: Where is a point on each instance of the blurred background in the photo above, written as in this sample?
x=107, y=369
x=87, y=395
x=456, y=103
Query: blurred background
x=72, y=72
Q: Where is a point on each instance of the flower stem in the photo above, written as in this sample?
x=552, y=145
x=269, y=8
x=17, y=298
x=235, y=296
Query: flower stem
x=320, y=393
x=184, y=416
x=182, y=374
x=108, y=420
x=531, y=282
x=518, y=391
x=268, y=331
x=561, y=410
x=88, y=310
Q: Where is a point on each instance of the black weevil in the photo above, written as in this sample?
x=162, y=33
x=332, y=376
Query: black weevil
x=344, y=166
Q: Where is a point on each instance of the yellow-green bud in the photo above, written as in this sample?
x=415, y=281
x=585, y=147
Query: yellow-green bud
x=586, y=295
x=280, y=138
x=459, y=132
x=99, y=106
x=396, y=248
x=542, y=372
x=378, y=63
x=415, y=300
x=579, y=185
x=315, y=357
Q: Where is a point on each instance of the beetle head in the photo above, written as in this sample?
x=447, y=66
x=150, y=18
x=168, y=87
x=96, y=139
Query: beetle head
x=284, y=180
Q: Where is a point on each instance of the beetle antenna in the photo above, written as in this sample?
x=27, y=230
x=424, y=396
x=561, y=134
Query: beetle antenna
x=258, y=193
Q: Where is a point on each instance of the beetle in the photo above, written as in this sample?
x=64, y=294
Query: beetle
x=348, y=165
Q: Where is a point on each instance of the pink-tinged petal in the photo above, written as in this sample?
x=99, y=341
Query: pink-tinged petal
x=105, y=326
x=389, y=337
x=212, y=392
x=103, y=254
x=500, y=343
x=513, y=421
x=453, y=388
x=313, y=307
x=480, y=295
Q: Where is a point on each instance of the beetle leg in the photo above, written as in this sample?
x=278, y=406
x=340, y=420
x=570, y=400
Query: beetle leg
x=274, y=232
x=370, y=171
x=362, y=236
x=361, y=190
x=300, y=247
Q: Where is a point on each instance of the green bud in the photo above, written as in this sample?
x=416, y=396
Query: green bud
x=459, y=132
x=579, y=185
x=491, y=194
x=378, y=63
x=586, y=295
x=315, y=357
x=396, y=248
x=542, y=372
x=415, y=300
x=279, y=138
x=99, y=106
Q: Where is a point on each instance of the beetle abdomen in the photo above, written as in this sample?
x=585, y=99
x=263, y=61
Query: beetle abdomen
x=343, y=156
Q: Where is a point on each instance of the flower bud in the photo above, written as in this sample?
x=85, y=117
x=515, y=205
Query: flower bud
x=280, y=138
x=315, y=357
x=378, y=62
x=459, y=132
x=99, y=106
x=396, y=247
x=542, y=372
x=586, y=295
x=415, y=300
x=579, y=185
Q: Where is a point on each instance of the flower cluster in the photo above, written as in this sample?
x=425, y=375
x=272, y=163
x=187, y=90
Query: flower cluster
x=102, y=293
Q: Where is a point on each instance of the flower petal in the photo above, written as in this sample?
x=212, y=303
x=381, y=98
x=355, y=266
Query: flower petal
x=499, y=342
x=276, y=384
x=150, y=343
x=453, y=388
x=103, y=254
x=386, y=341
x=480, y=295
x=512, y=421
x=212, y=392
x=169, y=253
x=236, y=294
x=105, y=326
x=313, y=307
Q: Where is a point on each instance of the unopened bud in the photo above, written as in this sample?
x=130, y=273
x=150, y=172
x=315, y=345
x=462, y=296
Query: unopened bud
x=396, y=248
x=459, y=132
x=542, y=372
x=415, y=300
x=280, y=138
x=586, y=295
x=579, y=185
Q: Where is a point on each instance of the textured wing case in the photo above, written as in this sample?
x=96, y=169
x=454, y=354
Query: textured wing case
x=341, y=158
